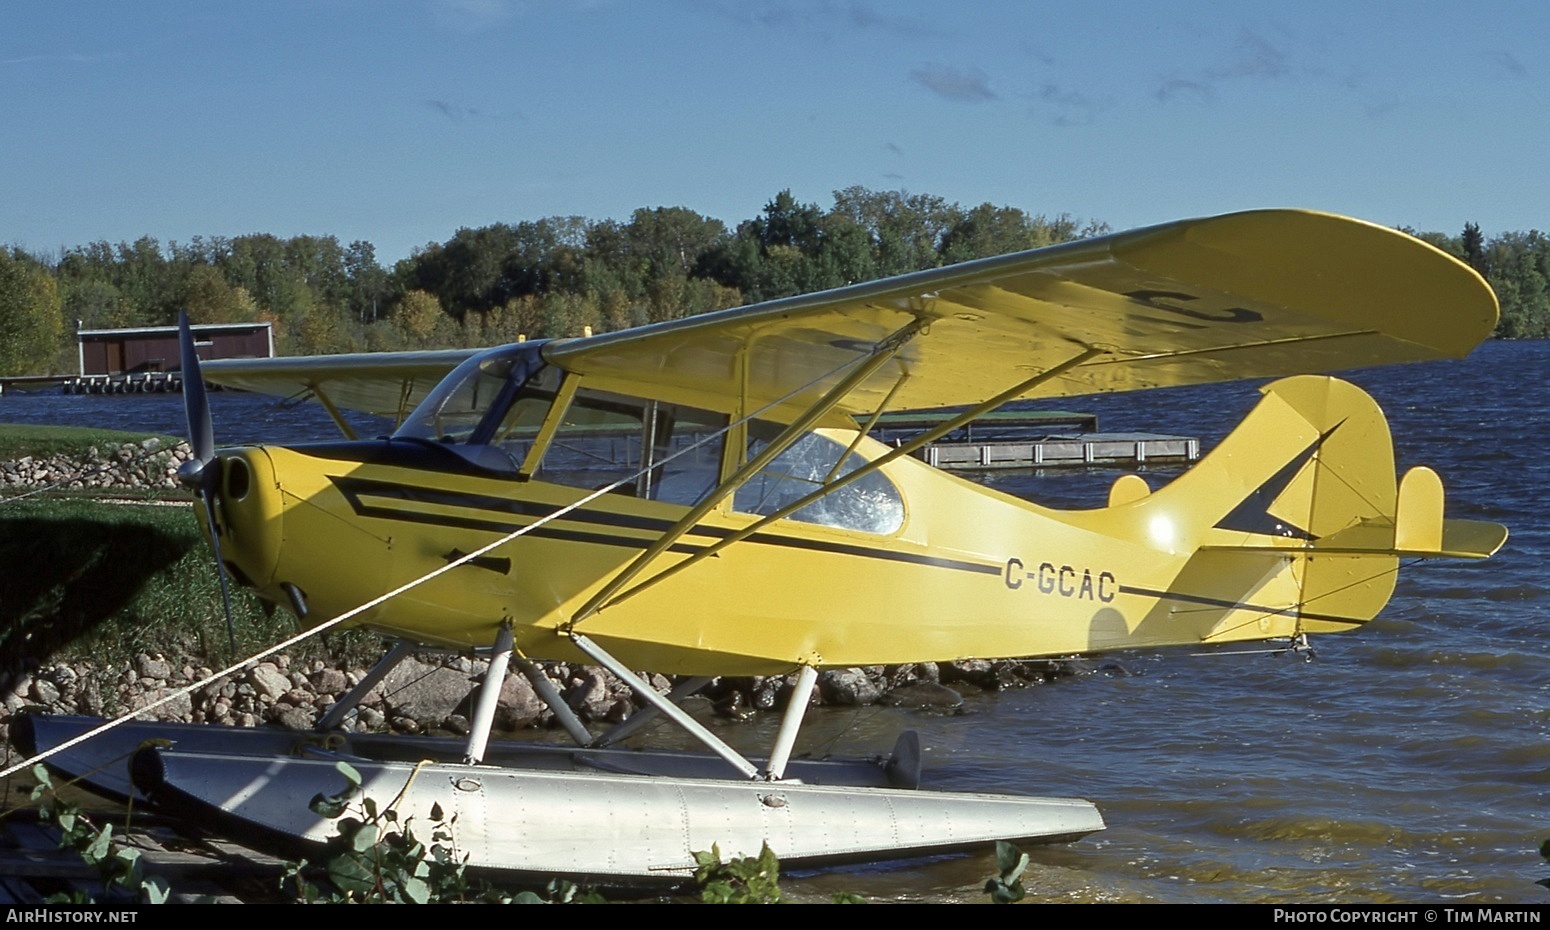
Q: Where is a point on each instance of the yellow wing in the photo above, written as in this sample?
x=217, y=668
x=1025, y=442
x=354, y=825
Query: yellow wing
x=387, y=384
x=1255, y=294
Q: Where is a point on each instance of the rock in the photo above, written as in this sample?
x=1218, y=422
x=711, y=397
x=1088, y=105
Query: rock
x=45, y=692
x=589, y=694
x=179, y=708
x=158, y=669
x=291, y=717
x=765, y=693
x=735, y=706
x=988, y=675
x=296, y=697
x=519, y=705
x=427, y=693
x=848, y=686
x=268, y=681
x=329, y=681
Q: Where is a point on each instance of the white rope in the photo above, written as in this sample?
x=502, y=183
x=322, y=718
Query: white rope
x=382, y=598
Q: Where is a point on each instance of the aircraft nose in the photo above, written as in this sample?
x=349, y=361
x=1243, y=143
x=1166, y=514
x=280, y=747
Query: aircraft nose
x=248, y=514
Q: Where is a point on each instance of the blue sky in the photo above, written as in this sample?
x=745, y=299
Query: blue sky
x=398, y=121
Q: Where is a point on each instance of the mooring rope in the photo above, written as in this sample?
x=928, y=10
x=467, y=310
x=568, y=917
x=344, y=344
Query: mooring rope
x=408, y=586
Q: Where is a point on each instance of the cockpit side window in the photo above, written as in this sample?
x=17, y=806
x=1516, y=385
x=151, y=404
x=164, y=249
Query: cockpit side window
x=664, y=452
x=870, y=504
x=517, y=429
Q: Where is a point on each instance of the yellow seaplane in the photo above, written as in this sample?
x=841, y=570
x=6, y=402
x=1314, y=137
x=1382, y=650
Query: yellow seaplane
x=701, y=497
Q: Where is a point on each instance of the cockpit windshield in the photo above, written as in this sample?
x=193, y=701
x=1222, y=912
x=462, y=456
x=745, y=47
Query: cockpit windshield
x=495, y=400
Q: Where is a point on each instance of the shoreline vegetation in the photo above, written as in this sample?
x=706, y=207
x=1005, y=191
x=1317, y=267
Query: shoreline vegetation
x=116, y=603
x=567, y=275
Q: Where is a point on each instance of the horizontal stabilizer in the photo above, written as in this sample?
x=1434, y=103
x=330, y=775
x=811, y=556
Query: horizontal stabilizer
x=1468, y=539
x=1460, y=539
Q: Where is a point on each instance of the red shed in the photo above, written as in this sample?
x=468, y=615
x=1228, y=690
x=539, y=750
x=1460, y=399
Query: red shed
x=155, y=348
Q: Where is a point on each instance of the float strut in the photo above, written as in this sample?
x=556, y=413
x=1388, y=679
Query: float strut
x=791, y=722
x=489, y=697
x=673, y=711
x=549, y=695
x=649, y=713
x=352, y=699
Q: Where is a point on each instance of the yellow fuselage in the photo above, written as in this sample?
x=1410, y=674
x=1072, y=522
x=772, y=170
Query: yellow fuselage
x=970, y=572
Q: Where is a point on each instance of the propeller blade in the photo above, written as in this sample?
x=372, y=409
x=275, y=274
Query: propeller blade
x=208, y=495
x=198, y=473
x=201, y=431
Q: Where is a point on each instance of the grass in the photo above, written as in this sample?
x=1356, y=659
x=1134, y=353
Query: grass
x=20, y=439
x=89, y=579
x=101, y=579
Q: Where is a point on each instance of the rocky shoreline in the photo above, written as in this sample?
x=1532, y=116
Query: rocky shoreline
x=434, y=693
x=146, y=464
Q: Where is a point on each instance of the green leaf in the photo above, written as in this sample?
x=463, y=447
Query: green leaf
x=350, y=874
x=417, y=890
x=349, y=772
x=365, y=838
x=329, y=805
x=155, y=891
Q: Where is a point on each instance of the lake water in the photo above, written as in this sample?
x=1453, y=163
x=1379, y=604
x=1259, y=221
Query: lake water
x=1407, y=763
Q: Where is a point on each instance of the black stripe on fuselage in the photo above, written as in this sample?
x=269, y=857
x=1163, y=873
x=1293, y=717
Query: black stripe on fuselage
x=1234, y=605
x=354, y=489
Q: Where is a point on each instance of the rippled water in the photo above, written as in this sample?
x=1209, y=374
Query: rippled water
x=1409, y=762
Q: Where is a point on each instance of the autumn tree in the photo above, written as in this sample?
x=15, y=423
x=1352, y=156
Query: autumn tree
x=416, y=316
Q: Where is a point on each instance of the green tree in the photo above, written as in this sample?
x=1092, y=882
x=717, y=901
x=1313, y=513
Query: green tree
x=1473, y=244
x=209, y=299
x=906, y=229
x=369, y=282
x=95, y=302
x=31, y=325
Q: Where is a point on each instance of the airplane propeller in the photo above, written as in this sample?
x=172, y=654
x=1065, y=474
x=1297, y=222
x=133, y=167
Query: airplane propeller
x=202, y=473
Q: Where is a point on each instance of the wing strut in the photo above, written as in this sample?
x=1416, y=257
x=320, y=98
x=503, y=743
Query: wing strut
x=333, y=411
x=866, y=429
x=1022, y=387
x=881, y=353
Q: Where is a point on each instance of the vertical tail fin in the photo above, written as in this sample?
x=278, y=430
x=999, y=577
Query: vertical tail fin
x=1298, y=513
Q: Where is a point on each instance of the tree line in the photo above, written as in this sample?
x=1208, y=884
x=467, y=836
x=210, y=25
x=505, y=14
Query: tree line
x=562, y=276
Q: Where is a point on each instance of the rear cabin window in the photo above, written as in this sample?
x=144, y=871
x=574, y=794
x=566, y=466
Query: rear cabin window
x=667, y=448
x=869, y=505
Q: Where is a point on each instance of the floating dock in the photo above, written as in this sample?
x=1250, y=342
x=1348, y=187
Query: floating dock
x=150, y=382
x=1033, y=439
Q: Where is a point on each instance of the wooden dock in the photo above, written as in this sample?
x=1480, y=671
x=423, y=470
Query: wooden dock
x=1034, y=439
x=194, y=868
